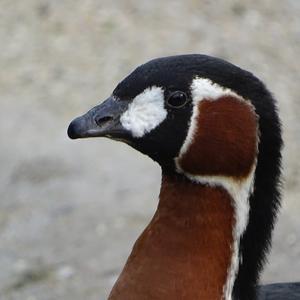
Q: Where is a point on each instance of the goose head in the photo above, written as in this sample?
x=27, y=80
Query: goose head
x=207, y=121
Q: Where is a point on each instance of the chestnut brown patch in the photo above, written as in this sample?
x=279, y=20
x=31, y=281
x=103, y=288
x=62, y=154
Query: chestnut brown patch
x=185, y=251
x=224, y=141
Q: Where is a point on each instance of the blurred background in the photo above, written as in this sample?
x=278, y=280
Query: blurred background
x=71, y=210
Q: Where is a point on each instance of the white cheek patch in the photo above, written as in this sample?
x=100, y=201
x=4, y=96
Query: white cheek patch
x=145, y=112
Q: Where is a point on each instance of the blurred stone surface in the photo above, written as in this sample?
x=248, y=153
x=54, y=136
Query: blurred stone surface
x=71, y=210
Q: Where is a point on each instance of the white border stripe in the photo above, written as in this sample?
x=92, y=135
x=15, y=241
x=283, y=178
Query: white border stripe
x=239, y=190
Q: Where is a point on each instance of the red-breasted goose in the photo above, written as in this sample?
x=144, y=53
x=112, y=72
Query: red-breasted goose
x=214, y=130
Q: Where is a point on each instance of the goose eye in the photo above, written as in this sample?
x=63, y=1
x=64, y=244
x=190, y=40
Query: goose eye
x=177, y=99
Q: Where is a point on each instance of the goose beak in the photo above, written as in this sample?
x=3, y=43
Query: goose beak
x=101, y=121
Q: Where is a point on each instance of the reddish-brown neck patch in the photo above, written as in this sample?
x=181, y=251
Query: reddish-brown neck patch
x=225, y=139
x=185, y=251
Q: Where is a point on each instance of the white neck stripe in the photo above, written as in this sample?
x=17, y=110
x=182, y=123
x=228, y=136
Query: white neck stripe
x=239, y=190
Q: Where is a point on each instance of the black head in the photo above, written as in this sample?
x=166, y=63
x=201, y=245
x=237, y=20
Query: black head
x=151, y=108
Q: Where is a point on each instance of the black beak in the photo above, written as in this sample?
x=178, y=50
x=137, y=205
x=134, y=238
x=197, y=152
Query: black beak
x=102, y=120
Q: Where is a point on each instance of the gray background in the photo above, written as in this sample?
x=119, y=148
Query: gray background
x=71, y=210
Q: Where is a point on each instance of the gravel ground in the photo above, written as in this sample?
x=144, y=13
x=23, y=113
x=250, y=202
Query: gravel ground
x=70, y=210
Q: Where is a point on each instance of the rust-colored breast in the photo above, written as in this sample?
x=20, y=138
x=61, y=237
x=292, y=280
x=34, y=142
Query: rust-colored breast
x=185, y=251
x=224, y=141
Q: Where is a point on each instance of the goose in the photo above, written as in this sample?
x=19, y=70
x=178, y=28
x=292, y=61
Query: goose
x=215, y=132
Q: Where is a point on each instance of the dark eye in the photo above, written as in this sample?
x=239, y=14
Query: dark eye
x=177, y=99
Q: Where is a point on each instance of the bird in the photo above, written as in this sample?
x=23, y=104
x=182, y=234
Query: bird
x=215, y=131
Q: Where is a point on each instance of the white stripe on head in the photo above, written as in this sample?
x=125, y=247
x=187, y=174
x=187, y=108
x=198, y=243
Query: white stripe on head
x=145, y=112
x=202, y=88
